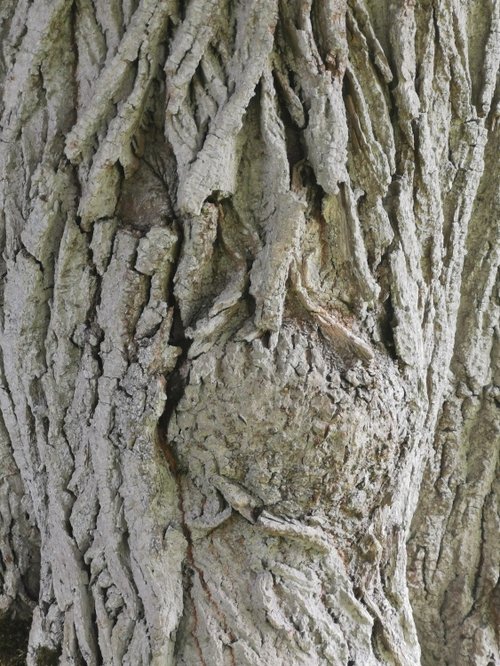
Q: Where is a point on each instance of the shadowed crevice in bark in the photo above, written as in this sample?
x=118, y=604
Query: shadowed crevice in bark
x=14, y=634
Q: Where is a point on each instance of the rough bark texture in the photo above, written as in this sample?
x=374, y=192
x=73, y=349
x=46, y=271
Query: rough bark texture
x=249, y=331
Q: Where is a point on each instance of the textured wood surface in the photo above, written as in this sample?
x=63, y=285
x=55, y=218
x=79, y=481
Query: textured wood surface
x=249, y=331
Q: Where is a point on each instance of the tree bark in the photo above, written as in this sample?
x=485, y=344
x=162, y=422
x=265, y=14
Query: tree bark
x=249, y=331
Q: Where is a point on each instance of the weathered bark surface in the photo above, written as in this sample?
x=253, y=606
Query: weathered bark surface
x=249, y=330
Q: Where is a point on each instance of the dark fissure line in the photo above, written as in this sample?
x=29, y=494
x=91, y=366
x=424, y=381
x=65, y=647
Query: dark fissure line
x=176, y=383
x=177, y=380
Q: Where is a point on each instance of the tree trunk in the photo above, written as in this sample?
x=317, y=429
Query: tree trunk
x=249, y=331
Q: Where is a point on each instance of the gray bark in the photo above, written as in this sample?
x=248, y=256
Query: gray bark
x=249, y=331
